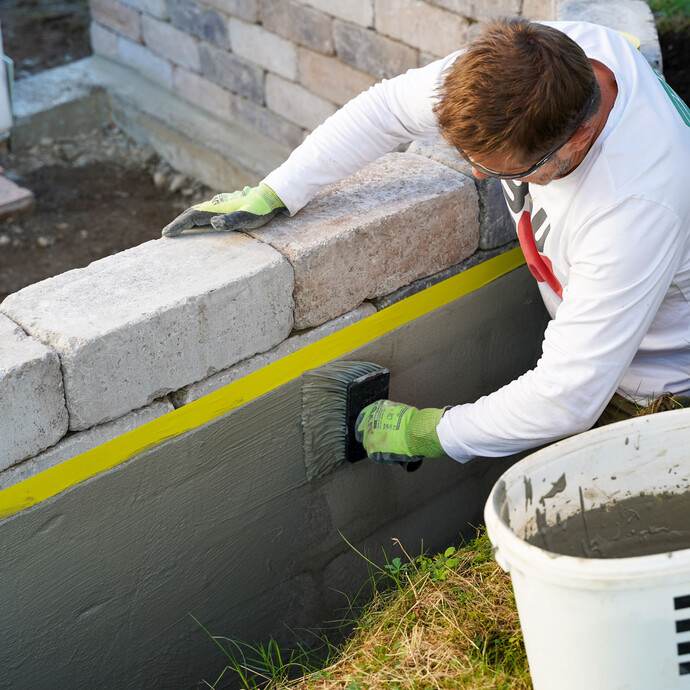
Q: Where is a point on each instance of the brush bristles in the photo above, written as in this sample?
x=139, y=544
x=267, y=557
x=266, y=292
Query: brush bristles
x=324, y=413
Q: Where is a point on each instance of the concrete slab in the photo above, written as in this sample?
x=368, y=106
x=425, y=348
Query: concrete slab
x=295, y=342
x=33, y=415
x=401, y=218
x=74, y=444
x=496, y=227
x=14, y=200
x=63, y=101
x=135, y=326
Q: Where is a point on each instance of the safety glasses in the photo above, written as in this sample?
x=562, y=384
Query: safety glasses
x=513, y=176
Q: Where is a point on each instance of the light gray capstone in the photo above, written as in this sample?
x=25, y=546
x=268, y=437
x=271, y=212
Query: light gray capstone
x=398, y=219
x=295, y=342
x=33, y=415
x=75, y=444
x=135, y=326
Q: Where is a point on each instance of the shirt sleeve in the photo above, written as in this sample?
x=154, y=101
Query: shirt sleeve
x=622, y=264
x=390, y=113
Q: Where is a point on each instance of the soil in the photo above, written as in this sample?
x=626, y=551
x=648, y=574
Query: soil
x=96, y=194
x=99, y=194
x=41, y=34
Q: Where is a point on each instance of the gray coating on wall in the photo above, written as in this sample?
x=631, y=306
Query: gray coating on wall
x=98, y=583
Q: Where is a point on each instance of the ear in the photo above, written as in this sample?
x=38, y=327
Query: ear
x=581, y=139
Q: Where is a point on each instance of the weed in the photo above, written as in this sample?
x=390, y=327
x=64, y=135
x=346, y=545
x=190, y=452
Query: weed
x=443, y=621
x=671, y=15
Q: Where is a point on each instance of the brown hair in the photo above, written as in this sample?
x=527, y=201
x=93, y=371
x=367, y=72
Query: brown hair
x=519, y=88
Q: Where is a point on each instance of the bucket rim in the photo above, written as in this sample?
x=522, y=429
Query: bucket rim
x=512, y=551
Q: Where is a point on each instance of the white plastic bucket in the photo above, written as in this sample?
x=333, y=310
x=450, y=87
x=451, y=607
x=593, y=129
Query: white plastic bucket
x=594, y=623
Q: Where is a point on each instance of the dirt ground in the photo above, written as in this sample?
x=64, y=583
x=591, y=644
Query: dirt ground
x=96, y=194
x=99, y=194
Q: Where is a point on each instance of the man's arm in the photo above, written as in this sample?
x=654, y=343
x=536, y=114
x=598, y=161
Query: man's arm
x=390, y=113
x=622, y=265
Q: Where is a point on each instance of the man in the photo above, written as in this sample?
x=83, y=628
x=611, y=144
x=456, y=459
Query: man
x=594, y=153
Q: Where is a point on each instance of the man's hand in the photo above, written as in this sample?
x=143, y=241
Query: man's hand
x=393, y=433
x=245, y=210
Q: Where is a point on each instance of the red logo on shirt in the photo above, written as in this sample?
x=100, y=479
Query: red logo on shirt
x=539, y=265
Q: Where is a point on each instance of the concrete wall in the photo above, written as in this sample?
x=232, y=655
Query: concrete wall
x=221, y=521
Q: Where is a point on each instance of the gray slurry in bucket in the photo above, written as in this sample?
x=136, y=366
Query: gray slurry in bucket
x=637, y=526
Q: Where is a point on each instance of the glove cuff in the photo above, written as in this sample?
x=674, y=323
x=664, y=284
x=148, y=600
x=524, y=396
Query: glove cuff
x=422, y=437
x=270, y=197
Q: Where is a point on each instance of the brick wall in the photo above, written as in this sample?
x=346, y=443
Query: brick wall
x=282, y=66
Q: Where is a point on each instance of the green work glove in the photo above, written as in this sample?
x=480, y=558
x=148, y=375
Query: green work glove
x=392, y=433
x=245, y=210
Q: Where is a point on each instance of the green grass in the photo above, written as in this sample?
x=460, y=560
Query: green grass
x=442, y=621
x=671, y=15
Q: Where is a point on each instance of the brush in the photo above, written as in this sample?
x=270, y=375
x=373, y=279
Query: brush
x=332, y=397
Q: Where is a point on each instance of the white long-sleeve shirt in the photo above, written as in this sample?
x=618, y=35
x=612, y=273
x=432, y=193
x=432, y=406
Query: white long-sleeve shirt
x=609, y=243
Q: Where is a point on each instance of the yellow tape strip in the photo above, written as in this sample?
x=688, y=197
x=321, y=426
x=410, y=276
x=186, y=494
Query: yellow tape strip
x=112, y=453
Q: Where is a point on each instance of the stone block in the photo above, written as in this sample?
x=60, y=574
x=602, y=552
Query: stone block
x=173, y=44
x=357, y=11
x=77, y=443
x=298, y=24
x=267, y=123
x=103, y=41
x=295, y=103
x=264, y=48
x=496, y=227
x=421, y=25
x=32, y=403
x=243, y=9
x=122, y=19
x=145, y=61
x=479, y=257
x=14, y=200
x=398, y=219
x=205, y=23
x=330, y=78
x=539, y=9
x=154, y=8
x=202, y=93
x=295, y=342
x=137, y=325
x=369, y=52
x=479, y=9
x=229, y=71
x=632, y=16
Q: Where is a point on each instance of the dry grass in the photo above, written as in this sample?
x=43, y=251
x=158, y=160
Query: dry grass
x=451, y=622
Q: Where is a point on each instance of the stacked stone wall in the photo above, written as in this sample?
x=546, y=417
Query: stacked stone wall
x=280, y=67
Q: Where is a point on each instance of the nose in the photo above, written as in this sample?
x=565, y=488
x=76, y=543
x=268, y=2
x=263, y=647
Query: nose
x=479, y=175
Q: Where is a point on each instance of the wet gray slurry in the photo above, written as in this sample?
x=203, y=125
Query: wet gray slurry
x=638, y=526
